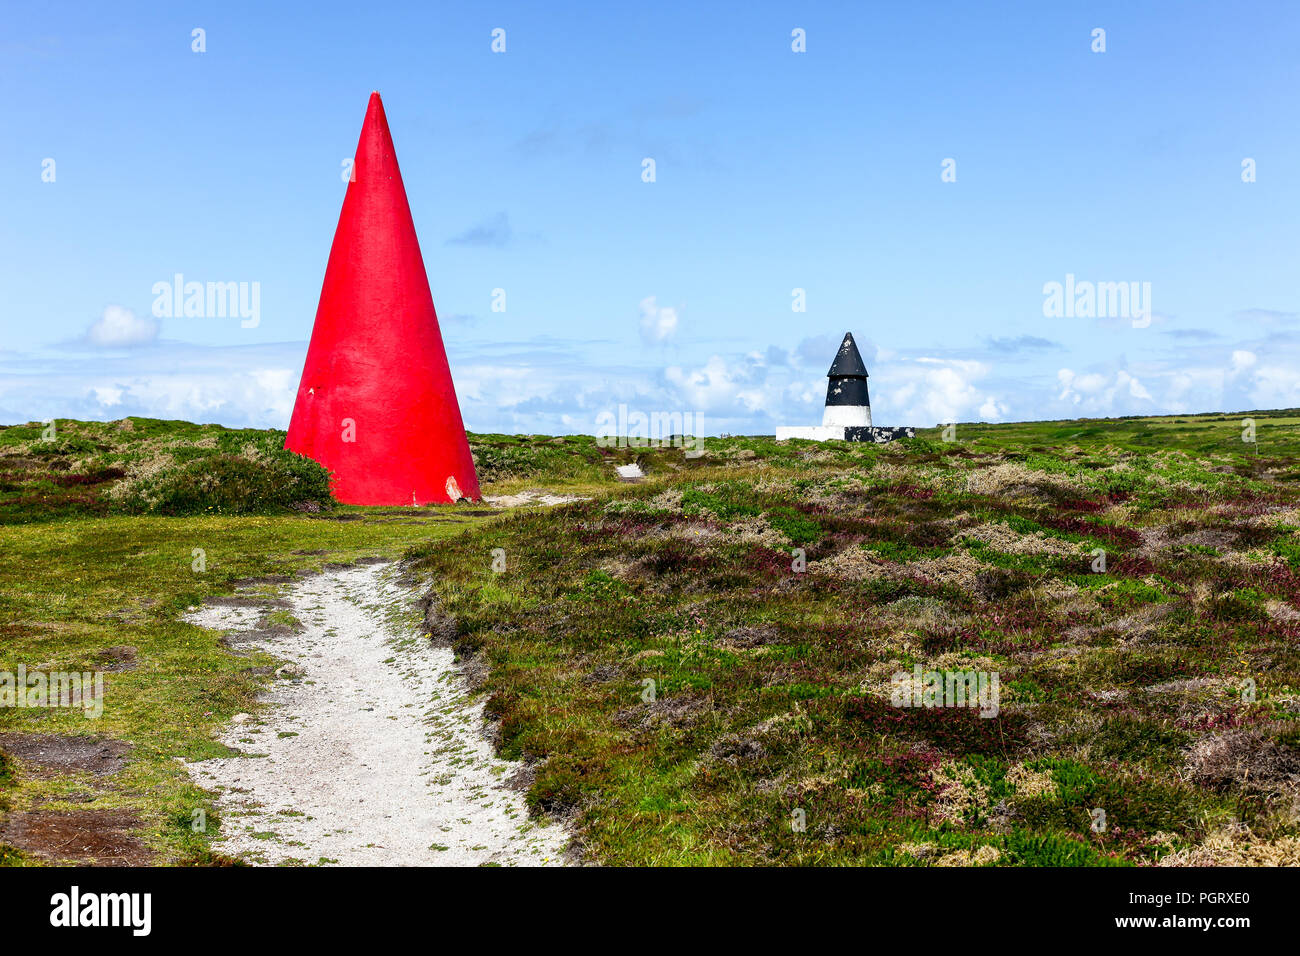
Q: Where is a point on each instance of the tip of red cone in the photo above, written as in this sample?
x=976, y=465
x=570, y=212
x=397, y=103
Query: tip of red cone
x=374, y=117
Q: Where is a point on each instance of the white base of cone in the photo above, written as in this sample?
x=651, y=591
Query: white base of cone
x=810, y=432
x=859, y=433
x=846, y=416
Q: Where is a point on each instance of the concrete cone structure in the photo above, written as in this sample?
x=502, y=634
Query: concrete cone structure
x=376, y=404
x=847, y=401
x=847, y=413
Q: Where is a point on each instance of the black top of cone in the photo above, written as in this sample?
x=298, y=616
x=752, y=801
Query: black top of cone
x=848, y=362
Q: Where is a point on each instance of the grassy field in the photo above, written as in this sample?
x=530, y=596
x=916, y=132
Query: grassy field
x=104, y=594
x=85, y=588
x=699, y=667
x=690, y=694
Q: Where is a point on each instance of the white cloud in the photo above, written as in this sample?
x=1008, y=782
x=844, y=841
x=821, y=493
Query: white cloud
x=254, y=394
x=1276, y=386
x=1242, y=360
x=553, y=386
x=121, y=328
x=237, y=385
x=927, y=391
x=1096, y=393
x=1135, y=388
x=107, y=395
x=992, y=409
x=1193, y=390
x=658, y=324
x=722, y=386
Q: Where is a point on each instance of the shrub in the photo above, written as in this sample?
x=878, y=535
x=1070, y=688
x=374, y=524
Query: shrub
x=65, y=447
x=505, y=458
x=797, y=528
x=266, y=480
x=924, y=446
x=727, y=500
x=1125, y=737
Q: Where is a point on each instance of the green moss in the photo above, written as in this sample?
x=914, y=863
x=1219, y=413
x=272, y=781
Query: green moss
x=797, y=528
x=1053, y=849
x=727, y=500
x=1126, y=737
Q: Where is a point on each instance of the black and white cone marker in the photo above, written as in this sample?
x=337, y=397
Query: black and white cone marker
x=847, y=416
x=847, y=401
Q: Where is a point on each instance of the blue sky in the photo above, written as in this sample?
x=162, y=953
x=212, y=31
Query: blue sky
x=775, y=171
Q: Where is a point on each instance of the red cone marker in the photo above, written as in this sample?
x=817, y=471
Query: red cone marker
x=376, y=404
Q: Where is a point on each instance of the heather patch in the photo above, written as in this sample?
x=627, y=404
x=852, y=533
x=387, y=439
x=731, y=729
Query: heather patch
x=1237, y=846
x=853, y=563
x=1004, y=538
x=746, y=686
x=1016, y=480
x=698, y=667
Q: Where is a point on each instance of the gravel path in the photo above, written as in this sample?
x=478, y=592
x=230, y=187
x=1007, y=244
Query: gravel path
x=369, y=752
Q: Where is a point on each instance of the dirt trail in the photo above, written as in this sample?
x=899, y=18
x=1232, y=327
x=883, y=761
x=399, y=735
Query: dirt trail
x=369, y=753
